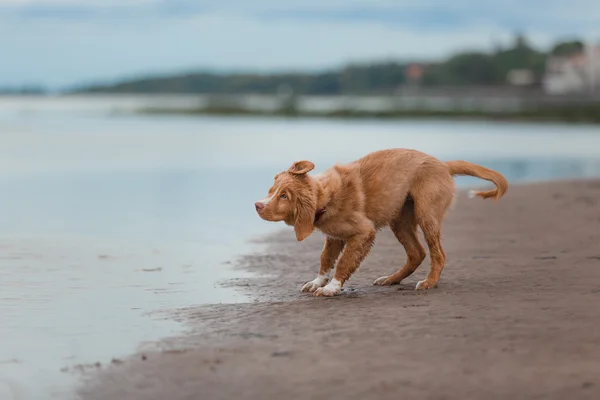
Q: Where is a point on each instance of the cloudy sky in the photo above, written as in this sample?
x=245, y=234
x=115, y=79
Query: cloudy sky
x=63, y=42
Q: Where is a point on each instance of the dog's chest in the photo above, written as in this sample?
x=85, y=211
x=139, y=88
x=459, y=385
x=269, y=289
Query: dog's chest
x=332, y=228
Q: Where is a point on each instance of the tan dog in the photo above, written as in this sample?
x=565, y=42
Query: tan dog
x=399, y=188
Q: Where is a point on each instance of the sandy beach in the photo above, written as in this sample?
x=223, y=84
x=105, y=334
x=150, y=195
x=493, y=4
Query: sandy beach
x=516, y=315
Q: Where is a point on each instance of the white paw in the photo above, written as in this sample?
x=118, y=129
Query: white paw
x=381, y=281
x=316, y=283
x=333, y=288
x=424, y=284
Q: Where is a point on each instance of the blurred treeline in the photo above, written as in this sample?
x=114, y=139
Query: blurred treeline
x=464, y=69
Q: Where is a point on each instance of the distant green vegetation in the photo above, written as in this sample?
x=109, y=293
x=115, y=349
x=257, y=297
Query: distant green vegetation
x=474, y=68
x=463, y=69
x=22, y=90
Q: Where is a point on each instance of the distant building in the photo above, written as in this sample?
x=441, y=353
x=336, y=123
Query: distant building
x=414, y=73
x=520, y=77
x=577, y=73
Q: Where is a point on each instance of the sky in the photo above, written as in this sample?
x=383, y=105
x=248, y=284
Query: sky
x=60, y=43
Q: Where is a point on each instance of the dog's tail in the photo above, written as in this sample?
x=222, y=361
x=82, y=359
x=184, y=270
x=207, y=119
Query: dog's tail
x=467, y=168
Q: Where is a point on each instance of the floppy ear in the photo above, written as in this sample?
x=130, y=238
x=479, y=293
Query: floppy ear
x=301, y=167
x=304, y=219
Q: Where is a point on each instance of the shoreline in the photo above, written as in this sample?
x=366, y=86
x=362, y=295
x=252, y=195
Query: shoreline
x=572, y=115
x=513, y=316
x=460, y=106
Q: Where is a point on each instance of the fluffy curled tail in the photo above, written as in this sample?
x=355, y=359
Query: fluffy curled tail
x=470, y=169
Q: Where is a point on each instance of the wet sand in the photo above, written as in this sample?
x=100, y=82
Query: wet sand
x=516, y=315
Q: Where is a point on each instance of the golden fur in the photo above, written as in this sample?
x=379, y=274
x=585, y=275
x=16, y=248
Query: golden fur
x=399, y=188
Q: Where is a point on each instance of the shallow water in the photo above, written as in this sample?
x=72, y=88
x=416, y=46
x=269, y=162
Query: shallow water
x=109, y=217
x=68, y=302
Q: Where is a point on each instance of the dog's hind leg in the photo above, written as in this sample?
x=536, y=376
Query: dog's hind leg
x=432, y=201
x=404, y=227
x=431, y=231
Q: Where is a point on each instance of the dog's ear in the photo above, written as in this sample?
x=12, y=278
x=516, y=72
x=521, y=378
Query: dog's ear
x=301, y=167
x=304, y=219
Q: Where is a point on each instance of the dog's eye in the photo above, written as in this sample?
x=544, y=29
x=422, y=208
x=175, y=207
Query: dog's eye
x=283, y=196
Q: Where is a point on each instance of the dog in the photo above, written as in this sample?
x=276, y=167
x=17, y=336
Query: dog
x=400, y=188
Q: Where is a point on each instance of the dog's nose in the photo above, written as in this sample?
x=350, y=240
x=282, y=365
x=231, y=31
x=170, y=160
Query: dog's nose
x=259, y=206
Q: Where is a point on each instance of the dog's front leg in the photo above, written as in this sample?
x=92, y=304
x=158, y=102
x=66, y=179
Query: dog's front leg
x=355, y=251
x=330, y=253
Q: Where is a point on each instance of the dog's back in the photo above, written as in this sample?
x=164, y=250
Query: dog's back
x=388, y=176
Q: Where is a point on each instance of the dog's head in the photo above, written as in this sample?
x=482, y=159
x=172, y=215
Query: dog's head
x=292, y=199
